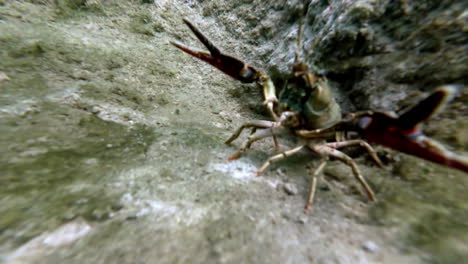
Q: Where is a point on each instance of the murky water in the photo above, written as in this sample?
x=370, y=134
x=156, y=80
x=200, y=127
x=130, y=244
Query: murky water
x=112, y=150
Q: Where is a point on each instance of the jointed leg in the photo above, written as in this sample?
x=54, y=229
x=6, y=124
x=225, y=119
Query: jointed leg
x=313, y=185
x=254, y=123
x=264, y=133
x=321, y=133
x=362, y=143
x=278, y=157
x=325, y=150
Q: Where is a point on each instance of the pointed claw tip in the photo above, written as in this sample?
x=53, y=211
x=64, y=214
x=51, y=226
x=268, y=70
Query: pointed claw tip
x=451, y=88
x=449, y=92
x=177, y=44
x=186, y=21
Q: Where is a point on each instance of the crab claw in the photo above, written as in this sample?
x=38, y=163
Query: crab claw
x=404, y=133
x=225, y=63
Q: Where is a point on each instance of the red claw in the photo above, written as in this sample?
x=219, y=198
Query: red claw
x=404, y=133
x=225, y=63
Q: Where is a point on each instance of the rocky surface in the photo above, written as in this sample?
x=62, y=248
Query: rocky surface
x=112, y=139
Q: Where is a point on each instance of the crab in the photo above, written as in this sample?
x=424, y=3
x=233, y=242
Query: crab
x=306, y=108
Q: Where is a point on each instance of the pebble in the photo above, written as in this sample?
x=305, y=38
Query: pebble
x=95, y=110
x=99, y=214
x=302, y=220
x=281, y=172
x=290, y=189
x=132, y=217
x=4, y=77
x=370, y=246
x=116, y=206
x=324, y=187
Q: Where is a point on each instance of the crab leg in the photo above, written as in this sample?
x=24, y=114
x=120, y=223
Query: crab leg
x=362, y=143
x=313, y=185
x=328, y=132
x=231, y=66
x=278, y=157
x=326, y=151
x=255, y=124
x=264, y=133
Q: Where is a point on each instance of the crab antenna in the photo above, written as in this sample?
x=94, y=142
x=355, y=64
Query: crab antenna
x=300, y=30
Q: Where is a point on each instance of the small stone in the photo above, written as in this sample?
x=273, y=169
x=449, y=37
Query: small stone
x=286, y=215
x=93, y=4
x=370, y=246
x=95, y=110
x=80, y=74
x=68, y=216
x=99, y=214
x=116, y=207
x=290, y=189
x=132, y=217
x=302, y=220
x=324, y=187
x=281, y=172
x=82, y=201
x=3, y=77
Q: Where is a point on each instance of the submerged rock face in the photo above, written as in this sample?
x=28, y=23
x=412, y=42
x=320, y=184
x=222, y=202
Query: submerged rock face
x=370, y=48
x=113, y=139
